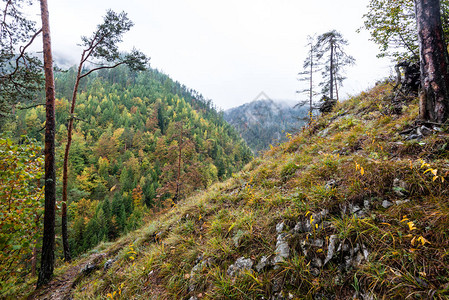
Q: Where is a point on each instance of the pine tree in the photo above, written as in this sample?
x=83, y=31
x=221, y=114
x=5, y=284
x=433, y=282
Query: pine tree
x=330, y=48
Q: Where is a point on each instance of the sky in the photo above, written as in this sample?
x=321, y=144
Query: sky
x=229, y=51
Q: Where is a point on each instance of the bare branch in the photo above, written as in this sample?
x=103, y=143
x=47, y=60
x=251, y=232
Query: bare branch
x=102, y=67
x=22, y=53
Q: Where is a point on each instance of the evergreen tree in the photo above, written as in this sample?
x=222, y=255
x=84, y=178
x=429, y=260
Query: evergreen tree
x=330, y=48
x=310, y=67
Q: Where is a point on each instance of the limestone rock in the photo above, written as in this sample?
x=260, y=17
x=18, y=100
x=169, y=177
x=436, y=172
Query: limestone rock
x=282, y=249
x=333, y=239
x=264, y=263
x=241, y=264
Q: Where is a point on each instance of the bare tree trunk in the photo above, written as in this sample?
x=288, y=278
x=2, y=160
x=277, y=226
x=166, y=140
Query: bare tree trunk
x=178, y=177
x=336, y=87
x=434, y=96
x=311, y=82
x=331, y=88
x=48, y=240
x=65, y=237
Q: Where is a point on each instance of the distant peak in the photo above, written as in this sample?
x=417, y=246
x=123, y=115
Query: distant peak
x=262, y=96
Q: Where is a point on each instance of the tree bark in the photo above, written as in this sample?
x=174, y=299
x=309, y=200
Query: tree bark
x=311, y=82
x=48, y=240
x=434, y=96
x=331, y=88
x=65, y=236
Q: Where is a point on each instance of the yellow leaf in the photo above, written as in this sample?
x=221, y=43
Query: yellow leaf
x=362, y=171
x=413, y=241
x=434, y=178
x=131, y=257
x=411, y=225
x=109, y=295
x=404, y=218
x=423, y=240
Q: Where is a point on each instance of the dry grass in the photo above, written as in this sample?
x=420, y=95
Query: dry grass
x=358, y=148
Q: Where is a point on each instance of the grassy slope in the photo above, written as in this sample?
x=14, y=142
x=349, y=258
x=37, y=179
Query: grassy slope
x=288, y=184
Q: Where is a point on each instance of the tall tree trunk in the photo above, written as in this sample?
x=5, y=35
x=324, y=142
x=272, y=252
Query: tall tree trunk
x=311, y=82
x=178, y=175
x=331, y=81
x=65, y=236
x=434, y=96
x=48, y=240
x=336, y=86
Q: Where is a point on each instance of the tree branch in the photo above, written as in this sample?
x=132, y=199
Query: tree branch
x=31, y=106
x=22, y=53
x=103, y=67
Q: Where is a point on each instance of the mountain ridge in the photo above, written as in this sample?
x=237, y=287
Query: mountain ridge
x=265, y=121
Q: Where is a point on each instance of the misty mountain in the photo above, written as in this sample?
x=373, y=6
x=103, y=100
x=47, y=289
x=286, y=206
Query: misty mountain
x=265, y=122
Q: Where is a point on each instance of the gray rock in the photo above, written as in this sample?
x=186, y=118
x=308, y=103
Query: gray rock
x=386, y=204
x=197, y=268
x=399, y=202
x=400, y=187
x=317, y=262
x=282, y=249
x=413, y=136
x=425, y=130
x=109, y=263
x=238, y=237
x=324, y=132
x=193, y=298
x=280, y=227
x=333, y=239
x=302, y=226
x=264, y=263
x=331, y=184
x=89, y=268
x=354, y=209
x=365, y=252
x=241, y=264
x=367, y=204
x=317, y=243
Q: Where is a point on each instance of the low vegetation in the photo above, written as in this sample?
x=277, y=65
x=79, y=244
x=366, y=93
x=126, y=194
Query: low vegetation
x=362, y=209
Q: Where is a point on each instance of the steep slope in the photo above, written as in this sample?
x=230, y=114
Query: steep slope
x=140, y=141
x=353, y=206
x=265, y=122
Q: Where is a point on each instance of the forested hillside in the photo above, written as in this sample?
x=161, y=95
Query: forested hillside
x=265, y=122
x=139, y=139
x=353, y=207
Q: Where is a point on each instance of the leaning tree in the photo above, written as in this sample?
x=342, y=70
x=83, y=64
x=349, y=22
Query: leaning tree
x=101, y=49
